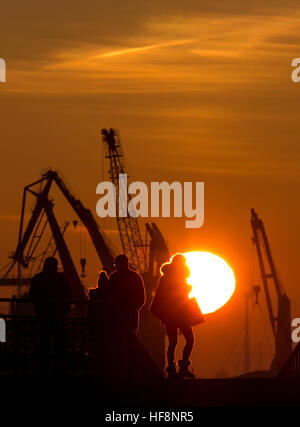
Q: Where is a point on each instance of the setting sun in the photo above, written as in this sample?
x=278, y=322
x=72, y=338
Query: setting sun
x=212, y=279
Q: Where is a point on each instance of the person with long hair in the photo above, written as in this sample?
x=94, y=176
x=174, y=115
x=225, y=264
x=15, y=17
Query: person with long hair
x=101, y=291
x=170, y=305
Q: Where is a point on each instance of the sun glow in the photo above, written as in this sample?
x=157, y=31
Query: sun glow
x=212, y=279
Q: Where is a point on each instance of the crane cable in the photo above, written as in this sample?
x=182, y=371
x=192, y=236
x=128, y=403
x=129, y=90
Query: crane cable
x=265, y=326
x=254, y=276
x=233, y=348
x=256, y=279
x=242, y=332
x=251, y=317
x=82, y=250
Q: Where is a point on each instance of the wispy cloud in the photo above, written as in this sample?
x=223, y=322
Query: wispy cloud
x=142, y=49
x=222, y=77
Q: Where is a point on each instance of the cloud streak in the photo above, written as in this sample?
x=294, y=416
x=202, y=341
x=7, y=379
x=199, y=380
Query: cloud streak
x=142, y=49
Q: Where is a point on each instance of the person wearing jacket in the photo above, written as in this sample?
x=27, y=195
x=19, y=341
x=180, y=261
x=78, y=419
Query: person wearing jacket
x=170, y=305
x=127, y=292
x=51, y=296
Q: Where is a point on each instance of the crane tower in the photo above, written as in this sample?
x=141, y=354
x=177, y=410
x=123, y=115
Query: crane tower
x=128, y=226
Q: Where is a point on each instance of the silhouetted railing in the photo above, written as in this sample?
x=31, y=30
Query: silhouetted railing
x=19, y=355
x=291, y=368
x=102, y=347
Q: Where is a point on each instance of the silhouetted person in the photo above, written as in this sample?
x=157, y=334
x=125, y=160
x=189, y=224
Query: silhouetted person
x=170, y=305
x=52, y=298
x=126, y=296
x=127, y=292
x=100, y=292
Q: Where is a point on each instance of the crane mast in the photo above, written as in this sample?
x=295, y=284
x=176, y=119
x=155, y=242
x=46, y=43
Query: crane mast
x=128, y=226
x=280, y=324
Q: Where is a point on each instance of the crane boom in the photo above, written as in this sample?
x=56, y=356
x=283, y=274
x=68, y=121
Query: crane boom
x=67, y=262
x=281, y=324
x=105, y=254
x=44, y=205
x=159, y=252
x=23, y=240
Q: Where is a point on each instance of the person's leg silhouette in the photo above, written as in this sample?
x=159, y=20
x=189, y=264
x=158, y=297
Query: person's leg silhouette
x=172, y=337
x=184, y=363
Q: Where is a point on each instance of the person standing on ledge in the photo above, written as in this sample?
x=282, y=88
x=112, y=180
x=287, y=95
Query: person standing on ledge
x=101, y=291
x=171, y=304
x=52, y=298
x=126, y=290
x=126, y=293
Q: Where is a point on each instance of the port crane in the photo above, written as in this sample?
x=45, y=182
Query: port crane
x=30, y=237
x=280, y=323
x=128, y=226
x=129, y=229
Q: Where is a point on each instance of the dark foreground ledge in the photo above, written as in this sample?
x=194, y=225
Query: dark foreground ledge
x=199, y=393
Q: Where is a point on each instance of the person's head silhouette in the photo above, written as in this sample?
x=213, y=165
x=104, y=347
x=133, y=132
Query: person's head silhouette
x=50, y=265
x=178, y=262
x=176, y=267
x=121, y=262
x=102, y=278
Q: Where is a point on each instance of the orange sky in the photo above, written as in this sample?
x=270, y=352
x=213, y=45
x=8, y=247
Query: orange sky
x=199, y=92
